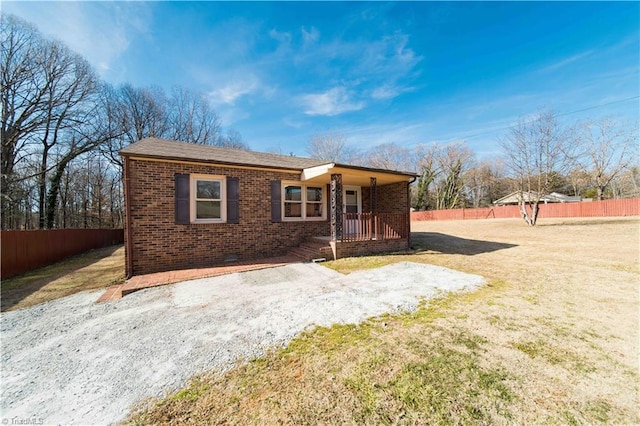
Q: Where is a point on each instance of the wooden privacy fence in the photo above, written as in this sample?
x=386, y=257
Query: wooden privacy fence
x=621, y=207
x=23, y=251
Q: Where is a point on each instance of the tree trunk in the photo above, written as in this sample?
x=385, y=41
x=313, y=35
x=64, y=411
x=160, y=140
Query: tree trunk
x=529, y=217
x=52, y=195
x=42, y=188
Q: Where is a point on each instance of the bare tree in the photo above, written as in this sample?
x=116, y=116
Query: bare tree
x=536, y=150
x=452, y=162
x=24, y=101
x=428, y=173
x=231, y=139
x=391, y=156
x=55, y=111
x=627, y=184
x=70, y=83
x=484, y=183
x=332, y=147
x=93, y=129
x=609, y=147
x=46, y=98
x=578, y=180
x=191, y=118
x=139, y=113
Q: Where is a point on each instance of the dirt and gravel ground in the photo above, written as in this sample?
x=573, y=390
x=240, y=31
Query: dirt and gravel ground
x=72, y=361
x=551, y=339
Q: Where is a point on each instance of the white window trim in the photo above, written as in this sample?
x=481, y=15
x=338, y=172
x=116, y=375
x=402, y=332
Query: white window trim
x=358, y=190
x=304, y=217
x=223, y=198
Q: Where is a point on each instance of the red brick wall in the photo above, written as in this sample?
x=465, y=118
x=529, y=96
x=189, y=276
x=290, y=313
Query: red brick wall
x=360, y=248
x=159, y=244
x=390, y=198
x=393, y=198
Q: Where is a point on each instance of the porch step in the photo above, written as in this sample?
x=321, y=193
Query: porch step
x=312, y=251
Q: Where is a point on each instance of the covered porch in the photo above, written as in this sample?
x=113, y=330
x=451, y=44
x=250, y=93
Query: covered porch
x=368, y=209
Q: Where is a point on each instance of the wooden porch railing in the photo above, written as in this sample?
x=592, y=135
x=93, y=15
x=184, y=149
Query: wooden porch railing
x=370, y=226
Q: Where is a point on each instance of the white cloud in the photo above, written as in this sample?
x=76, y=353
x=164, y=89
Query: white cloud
x=230, y=114
x=388, y=58
x=388, y=91
x=562, y=63
x=101, y=32
x=332, y=102
x=381, y=69
x=234, y=90
x=283, y=37
x=384, y=92
x=311, y=36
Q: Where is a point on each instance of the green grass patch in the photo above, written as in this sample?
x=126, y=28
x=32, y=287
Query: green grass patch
x=351, y=264
x=333, y=338
x=193, y=392
x=449, y=386
x=599, y=410
x=555, y=355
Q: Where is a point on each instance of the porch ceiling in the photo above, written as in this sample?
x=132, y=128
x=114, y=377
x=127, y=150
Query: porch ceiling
x=353, y=176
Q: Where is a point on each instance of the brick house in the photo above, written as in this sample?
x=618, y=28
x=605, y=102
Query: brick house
x=191, y=206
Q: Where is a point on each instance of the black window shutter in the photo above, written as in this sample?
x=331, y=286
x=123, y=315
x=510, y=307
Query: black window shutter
x=276, y=199
x=182, y=199
x=233, y=200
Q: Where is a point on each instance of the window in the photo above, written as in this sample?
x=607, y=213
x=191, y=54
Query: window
x=292, y=201
x=208, y=199
x=303, y=202
x=314, y=202
x=351, y=201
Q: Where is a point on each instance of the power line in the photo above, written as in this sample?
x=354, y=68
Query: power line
x=558, y=115
x=600, y=106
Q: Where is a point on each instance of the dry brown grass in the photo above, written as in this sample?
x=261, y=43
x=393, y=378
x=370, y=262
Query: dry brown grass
x=87, y=271
x=552, y=339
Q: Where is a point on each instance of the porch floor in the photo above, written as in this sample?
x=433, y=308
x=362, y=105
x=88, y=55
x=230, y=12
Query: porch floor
x=140, y=282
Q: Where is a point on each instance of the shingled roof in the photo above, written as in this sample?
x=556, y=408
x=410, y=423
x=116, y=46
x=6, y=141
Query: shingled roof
x=166, y=149
x=162, y=148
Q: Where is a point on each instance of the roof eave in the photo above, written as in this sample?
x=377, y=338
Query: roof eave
x=207, y=161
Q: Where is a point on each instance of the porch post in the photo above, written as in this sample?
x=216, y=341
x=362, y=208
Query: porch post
x=336, y=207
x=373, y=195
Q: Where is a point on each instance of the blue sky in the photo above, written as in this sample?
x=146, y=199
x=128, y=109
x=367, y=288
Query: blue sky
x=409, y=73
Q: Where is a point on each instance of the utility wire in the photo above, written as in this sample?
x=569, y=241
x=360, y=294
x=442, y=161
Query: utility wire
x=559, y=115
x=600, y=106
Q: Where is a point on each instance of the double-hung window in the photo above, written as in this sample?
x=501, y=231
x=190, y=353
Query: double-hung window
x=303, y=202
x=208, y=200
x=314, y=200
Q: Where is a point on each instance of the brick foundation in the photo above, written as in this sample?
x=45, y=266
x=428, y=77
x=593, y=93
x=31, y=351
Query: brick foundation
x=359, y=248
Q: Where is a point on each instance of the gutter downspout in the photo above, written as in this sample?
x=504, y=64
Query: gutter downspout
x=127, y=204
x=409, y=211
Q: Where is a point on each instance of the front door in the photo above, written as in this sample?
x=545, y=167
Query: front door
x=352, y=203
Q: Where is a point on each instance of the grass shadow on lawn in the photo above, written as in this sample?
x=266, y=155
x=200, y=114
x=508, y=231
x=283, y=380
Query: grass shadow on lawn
x=449, y=244
x=86, y=271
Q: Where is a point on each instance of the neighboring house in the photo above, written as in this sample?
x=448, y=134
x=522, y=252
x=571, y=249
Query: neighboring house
x=191, y=205
x=554, y=197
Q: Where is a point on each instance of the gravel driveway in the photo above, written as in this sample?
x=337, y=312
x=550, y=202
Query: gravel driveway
x=73, y=361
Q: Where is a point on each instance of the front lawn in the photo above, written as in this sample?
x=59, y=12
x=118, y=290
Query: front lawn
x=551, y=339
